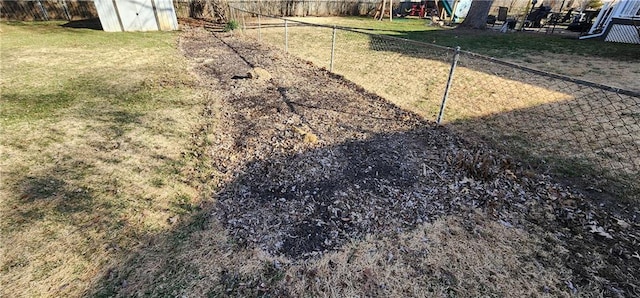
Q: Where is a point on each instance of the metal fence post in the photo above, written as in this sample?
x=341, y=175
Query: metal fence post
x=259, y=21
x=456, y=55
x=333, y=48
x=286, y=36
x=259, y=27
x=235, y=14
x=244, y=24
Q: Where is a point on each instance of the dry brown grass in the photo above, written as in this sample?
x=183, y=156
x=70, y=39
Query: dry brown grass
x=93, y=134
x=412, y=76
x=452, y=257
x=619, y=74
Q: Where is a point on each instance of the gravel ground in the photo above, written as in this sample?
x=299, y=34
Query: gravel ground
x=308, y=161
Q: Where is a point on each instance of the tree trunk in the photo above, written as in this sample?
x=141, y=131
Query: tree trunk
x=477, y=16
x=196, y=9
x=219, y=10
x=213, y=10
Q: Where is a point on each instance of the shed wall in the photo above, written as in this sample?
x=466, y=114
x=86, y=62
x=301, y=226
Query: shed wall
x=166, y=15
x=136, y=15
x=108, y=15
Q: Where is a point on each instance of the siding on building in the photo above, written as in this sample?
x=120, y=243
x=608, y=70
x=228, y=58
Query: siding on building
x=136, y=15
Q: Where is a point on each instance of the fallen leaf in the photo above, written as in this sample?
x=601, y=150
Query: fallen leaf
x=600, y=231
x=623, y=224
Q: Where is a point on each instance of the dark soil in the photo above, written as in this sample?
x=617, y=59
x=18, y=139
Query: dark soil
x=308, y=161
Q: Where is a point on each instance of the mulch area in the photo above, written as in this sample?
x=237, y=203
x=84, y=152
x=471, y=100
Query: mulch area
x=308, y=161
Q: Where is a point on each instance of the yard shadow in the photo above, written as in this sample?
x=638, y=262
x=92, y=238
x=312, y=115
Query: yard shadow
x=74, y=174
x=317, y=199
x=580, y=131
x=521, y=44
x=56, y=193
x=429, y=43
x=93, y=24
x=302, y=204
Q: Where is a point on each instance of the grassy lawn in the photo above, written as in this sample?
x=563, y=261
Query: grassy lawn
x=96, y=138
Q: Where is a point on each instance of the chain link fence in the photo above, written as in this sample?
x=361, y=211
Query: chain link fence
x=576, y=127
x=556, y=123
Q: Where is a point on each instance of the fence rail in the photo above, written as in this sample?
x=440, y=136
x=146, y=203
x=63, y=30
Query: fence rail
x=563, y=124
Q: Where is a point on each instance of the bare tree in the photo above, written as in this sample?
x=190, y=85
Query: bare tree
x=219, y=10
x=214, y=10
x=196, y=9
x=477, y=15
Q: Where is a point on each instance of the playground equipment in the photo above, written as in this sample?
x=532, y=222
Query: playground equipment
x=583, y=21
x=383, y=10
x=538, y=17
x=451, y=10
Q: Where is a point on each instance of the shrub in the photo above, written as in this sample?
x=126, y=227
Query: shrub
x=231, y=25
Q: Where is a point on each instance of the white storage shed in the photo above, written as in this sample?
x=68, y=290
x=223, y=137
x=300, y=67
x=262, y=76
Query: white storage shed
x=136, y=15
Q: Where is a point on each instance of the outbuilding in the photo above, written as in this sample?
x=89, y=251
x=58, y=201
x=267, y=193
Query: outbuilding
x=136, y=15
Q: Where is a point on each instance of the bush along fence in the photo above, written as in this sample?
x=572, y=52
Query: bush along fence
x=572, y=127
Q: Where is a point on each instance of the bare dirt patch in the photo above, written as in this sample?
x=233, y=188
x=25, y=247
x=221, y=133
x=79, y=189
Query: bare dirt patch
x=325, y=189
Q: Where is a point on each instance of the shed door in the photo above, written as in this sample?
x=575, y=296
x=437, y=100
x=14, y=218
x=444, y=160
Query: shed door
x=137, y=15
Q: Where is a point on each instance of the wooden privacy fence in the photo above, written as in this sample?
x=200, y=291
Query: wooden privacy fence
x=309, y=7
x=38, y=10
x=44, y=10
x=206, y=9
